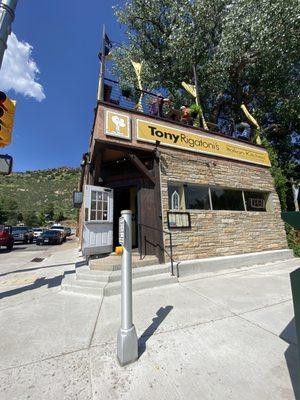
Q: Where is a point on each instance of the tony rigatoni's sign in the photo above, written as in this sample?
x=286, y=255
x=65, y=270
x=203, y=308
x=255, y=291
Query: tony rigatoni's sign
x=148, y=131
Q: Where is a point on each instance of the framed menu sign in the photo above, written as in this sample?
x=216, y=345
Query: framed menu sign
x=178, y=219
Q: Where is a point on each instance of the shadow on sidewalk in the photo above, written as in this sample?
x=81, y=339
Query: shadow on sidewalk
x=291, y=356
x=34, y=268
x=161, y=314
x=50, y=283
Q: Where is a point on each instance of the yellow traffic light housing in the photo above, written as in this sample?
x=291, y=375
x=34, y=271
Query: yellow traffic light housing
x=7, y=112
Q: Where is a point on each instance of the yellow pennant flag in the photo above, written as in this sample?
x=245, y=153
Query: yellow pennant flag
x=138, y=71
x=191, y=89
x=253, y=122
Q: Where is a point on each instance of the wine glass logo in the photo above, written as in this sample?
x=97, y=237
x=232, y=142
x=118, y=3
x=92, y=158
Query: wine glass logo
x=119, y=123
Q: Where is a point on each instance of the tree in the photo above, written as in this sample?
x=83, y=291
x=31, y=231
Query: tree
x=49, y=211
x=245, y=51
x=170, y=37
x=31, y=219
x=59, y=216
x=8, y=211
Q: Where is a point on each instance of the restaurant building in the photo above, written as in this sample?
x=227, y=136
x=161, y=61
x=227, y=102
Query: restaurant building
x=193, y=193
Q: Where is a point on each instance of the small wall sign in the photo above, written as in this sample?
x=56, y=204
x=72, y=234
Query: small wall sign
x=257, y=203
x=121, y=231
x=118, y=125
x=77, y=199
x=179, y=219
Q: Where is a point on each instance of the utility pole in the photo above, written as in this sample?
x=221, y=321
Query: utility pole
x=7, y=15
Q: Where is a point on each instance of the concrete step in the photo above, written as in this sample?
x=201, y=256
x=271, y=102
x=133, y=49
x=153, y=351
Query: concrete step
x=92, y=277
x=82, y=287
x=113, y=262
x=140, y=283
x=79, y=289
x=140, y=272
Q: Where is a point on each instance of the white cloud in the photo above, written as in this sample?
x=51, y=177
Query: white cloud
x=19, y=71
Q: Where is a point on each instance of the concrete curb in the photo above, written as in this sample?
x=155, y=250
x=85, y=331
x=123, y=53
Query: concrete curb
x=213, y=264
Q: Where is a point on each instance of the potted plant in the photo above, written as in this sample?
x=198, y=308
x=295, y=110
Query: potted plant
x=194, y=110
x=195, y=113
x=126, y=90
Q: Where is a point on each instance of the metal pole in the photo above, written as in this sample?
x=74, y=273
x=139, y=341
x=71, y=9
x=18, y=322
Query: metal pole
x=100, y=93
x=127, y=342
x=196, y=85
x=198, y=98
x=7, y=15
x=171, y=253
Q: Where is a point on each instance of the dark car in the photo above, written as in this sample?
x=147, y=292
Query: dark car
x=22, y=234
x=6, y=237
x=68, y=230
x=50, y=237
x=61, y=229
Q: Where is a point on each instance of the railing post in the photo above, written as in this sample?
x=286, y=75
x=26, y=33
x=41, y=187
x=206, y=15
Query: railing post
x=171, y=254
x=145, y=245
x=140, y=241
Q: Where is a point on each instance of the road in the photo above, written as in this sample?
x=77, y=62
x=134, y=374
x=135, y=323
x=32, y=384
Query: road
x=22, y=254
x=28, y=270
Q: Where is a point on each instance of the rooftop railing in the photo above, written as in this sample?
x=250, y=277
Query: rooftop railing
x=157, y=105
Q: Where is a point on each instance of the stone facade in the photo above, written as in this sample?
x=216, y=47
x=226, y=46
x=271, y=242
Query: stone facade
x=219, y=233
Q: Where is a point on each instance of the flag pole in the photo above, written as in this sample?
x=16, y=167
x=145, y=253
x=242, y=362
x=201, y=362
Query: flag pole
x=204, y=124
x=100, y=93
x=196, y=85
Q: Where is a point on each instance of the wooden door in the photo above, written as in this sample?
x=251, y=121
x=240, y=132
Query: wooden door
x=150, y=222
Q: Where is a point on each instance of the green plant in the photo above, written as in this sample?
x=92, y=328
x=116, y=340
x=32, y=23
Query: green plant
x=292, y=240
x=194, y=110
x=126, y=89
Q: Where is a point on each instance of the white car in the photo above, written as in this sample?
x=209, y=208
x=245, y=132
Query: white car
x=37, y=232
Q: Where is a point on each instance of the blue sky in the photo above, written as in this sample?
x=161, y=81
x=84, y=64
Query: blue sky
x=65, y=36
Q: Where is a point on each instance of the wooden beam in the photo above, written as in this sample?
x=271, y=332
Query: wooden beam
x=97, y=169
x=141, y=167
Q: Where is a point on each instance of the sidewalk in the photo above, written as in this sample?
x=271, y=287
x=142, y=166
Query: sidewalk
x=228, y=335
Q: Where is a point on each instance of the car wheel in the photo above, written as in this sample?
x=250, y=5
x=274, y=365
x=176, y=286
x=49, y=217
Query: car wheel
x=10, y=246
x=64, y=239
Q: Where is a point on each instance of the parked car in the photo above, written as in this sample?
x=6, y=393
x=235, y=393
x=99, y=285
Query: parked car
x=6, y=237
x=68, y=230
x=50, y=237
x=22, y=234
x=37, y=232
x=61, y=229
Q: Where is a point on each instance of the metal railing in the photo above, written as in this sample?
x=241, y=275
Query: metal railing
x=133, y=98
x=155, y=104
x=145, y=241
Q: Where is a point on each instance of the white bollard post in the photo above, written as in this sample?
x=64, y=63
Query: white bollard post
x=127, y=342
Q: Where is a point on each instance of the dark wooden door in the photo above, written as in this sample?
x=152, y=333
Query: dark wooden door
x=150, y=222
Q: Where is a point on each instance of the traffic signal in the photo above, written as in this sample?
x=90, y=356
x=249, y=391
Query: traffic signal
x=7, y=112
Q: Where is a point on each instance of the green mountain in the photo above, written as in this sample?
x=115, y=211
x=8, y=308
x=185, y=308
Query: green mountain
x=36, y=197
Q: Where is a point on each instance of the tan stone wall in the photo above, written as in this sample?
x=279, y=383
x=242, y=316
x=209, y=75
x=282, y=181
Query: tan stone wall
x=219, y=233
